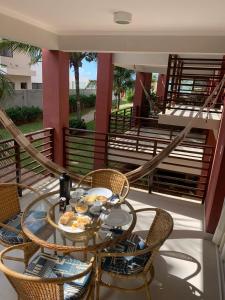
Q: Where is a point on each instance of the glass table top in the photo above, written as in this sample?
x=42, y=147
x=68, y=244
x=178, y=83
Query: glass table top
x=90, y=231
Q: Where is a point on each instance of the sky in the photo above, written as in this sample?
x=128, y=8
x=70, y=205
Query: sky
x=87, y=72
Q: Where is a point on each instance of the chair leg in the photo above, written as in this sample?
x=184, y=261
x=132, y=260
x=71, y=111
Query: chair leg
x=97, y=289
x=147, y=290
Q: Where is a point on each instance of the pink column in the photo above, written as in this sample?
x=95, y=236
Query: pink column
x=216, y=187
x=55, y=72
x=138, y=94
x=161, y=84
x=138, y=105
x=103, y=107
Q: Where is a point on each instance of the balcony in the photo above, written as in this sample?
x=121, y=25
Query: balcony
x=186, y=263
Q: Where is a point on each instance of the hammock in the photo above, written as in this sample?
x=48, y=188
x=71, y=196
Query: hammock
x=134, y=175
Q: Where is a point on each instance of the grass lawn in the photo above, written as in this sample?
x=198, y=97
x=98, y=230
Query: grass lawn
x=37, y=125
x=25, y=128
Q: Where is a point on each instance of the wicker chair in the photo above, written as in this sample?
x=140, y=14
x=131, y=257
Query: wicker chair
x=140, y=254
x=50, y=283
x=107, y=178
x=10, y=211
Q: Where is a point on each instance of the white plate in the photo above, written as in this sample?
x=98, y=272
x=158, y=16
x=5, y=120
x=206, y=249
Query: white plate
x=68, y=228
x=100, y=192
x=118, y=217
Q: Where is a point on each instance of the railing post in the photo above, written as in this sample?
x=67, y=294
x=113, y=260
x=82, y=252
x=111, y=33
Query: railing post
x=115, y=129
x=64, y=146
x=131, y=115
x=18, y=165
x=171, y=133
x=150, y=182
x=167, y=84
x=151, y=175
x=124, y=116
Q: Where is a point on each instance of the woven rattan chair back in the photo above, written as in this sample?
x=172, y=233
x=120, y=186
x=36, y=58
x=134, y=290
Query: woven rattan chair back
x=9, y=201
x=161, y=227
x=108, y=178
x=30, y=290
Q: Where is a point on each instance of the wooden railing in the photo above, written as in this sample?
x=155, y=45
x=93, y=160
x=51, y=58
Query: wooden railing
x=121, y=120
x=125, y=121
x=191, y=80
x=17, y=166
x=185, y=172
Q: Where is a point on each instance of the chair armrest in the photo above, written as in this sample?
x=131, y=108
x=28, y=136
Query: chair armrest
x=24, y=186
x=10, y=228
x=59, y=280
x=124, y=254
x=146, y=209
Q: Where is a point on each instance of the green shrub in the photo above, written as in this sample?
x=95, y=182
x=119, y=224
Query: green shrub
x=79, y=124
x=130, y=95
x=86, y=101
x=24, y=114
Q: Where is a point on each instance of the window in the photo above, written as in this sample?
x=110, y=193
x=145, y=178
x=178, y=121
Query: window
x=6, y=53
x=36, y=86
x=23, y=85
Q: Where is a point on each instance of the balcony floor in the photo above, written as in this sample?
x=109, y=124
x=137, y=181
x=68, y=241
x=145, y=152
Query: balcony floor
x=186, y=267
x=180, y=115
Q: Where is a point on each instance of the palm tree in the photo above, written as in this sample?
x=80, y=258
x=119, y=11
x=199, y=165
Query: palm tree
x=35, y=54
x=6, y=87
x=123, y=79
x=76, y=59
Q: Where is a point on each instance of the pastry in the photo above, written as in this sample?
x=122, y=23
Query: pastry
x=66, y=217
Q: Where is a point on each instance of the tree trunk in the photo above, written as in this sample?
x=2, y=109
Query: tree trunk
x=118, y=101
x=77, y=83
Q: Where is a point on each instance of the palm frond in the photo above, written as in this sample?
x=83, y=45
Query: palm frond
x=6, y=87
x=33, y=51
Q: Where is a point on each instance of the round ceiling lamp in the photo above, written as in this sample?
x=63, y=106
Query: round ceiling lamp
x=122, y=17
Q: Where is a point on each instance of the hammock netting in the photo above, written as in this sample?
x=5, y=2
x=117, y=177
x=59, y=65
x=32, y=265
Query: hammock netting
x=133, y=175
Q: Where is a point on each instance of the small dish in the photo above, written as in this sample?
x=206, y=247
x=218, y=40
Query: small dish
x=118, y=217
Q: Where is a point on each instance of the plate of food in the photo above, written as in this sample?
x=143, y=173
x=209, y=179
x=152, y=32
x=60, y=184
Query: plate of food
x=118, y=217
x=98, y=194
x=73, y=223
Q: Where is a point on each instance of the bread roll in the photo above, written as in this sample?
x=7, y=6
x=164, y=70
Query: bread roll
x=66, y=217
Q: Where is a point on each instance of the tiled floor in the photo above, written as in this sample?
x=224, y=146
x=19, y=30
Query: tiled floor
x=186, y=267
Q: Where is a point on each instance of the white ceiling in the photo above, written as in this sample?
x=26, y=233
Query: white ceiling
x=192, y=17
x=159, y=26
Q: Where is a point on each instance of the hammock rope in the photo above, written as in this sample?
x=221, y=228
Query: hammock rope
x=133, y=175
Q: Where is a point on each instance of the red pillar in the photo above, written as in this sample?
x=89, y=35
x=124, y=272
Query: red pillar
x=216, y=187
x=103, y=107
x=145, y=78
x=161, y=84
x=138, y=94
x=55, y=72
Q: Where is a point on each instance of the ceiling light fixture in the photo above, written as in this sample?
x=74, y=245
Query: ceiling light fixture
x=122, y=17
